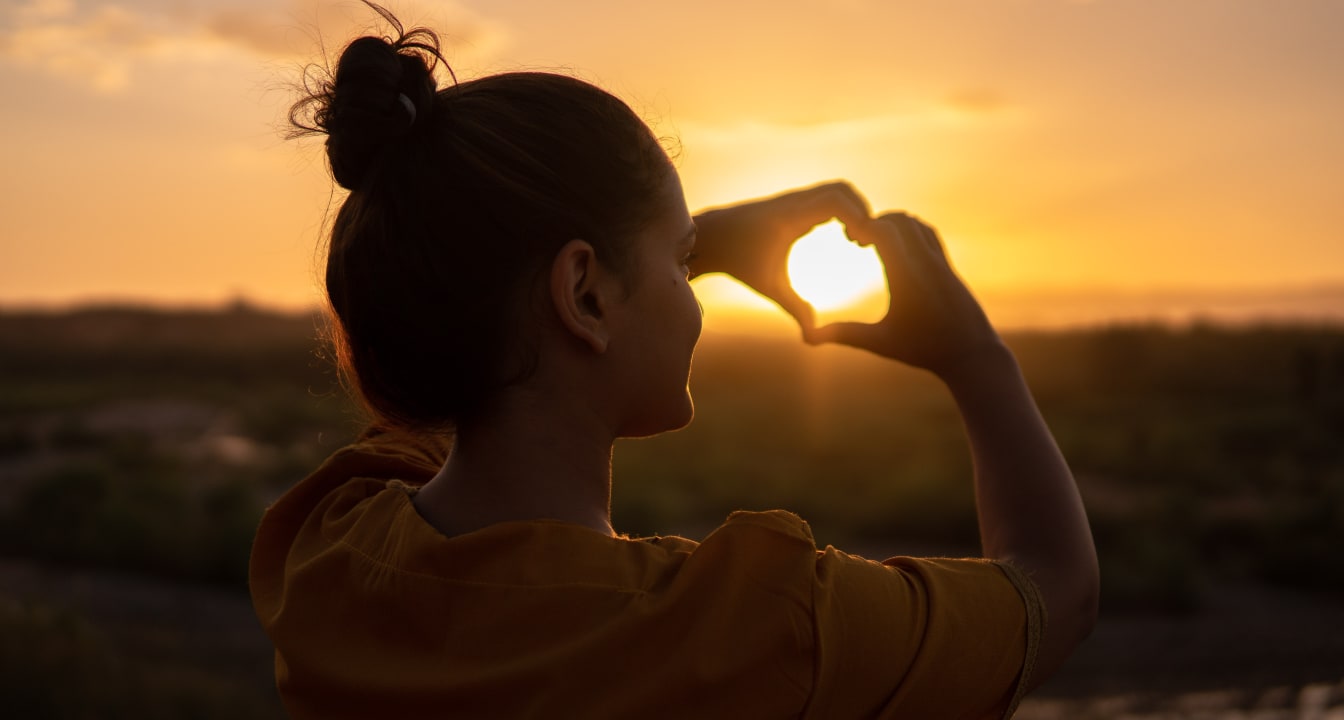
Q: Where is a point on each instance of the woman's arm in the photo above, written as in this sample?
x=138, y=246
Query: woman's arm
x=1028, y=505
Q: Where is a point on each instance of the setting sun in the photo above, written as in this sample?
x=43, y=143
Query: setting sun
x=834, y=274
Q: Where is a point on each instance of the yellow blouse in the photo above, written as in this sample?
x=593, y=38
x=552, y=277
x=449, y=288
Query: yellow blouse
x=374, y=614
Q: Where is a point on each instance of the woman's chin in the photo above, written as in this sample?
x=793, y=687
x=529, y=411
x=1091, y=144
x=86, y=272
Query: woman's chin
x=687, y=415
x=675, y=417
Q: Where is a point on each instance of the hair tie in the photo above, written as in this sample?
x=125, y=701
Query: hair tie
x=407, y=103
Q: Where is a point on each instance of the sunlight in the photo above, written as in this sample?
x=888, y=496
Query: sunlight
x=834, y=274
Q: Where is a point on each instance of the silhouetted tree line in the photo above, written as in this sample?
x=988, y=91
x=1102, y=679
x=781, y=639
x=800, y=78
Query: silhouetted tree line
x=1205, y=453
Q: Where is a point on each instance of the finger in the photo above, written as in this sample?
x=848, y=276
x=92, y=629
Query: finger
x=930, y=237
x=921, y=242
x=831, y=201
x=893, y=236
x=868, y=232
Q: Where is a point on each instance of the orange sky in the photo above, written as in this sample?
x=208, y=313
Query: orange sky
x=1144, y=148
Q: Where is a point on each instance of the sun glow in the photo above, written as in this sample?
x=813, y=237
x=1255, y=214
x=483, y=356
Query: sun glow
x=839, y=278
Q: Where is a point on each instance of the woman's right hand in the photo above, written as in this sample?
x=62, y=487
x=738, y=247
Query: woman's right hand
x=933, y=321
x=751, y=240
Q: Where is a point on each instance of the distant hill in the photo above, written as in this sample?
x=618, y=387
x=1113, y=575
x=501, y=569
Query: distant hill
x=238, y=344
x=101, y=327
x=1062, y=308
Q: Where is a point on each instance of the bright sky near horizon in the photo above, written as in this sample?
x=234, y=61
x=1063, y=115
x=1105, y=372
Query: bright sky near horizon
x=1180, y=145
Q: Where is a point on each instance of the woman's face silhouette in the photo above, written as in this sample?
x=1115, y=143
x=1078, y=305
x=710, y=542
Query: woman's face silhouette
x=659, y=322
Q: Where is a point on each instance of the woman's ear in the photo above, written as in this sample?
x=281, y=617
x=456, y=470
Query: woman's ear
x=578, y=292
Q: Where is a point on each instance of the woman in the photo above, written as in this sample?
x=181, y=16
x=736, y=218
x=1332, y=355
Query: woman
x=512, y=266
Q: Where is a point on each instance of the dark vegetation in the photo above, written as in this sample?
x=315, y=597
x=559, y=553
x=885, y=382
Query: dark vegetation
x=148, y=442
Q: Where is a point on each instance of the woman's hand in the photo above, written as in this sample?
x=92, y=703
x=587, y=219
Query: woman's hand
x=751, y=241
x=933, y=321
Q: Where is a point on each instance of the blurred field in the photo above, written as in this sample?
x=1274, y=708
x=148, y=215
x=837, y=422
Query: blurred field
x=137, y=449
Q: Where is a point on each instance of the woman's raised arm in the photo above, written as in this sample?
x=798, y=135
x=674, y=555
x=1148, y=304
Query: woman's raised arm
x=1028, y=505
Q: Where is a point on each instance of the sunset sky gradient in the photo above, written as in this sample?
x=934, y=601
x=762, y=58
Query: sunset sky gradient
x=1133, y=149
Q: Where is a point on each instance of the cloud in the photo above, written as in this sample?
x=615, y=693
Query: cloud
x=957, y=109
x=294, y=31
x=97, y=45
x=976, y=101
x=250, y=30
x=38, y=9
x=103, y=45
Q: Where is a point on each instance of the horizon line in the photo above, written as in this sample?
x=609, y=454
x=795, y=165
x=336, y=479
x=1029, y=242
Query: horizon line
x=1011, y=310
x=999, y=293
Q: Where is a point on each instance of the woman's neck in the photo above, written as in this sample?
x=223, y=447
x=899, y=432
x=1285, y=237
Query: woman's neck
x=527, y=461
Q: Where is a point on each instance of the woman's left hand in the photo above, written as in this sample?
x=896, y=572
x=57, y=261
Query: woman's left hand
x=751, y=240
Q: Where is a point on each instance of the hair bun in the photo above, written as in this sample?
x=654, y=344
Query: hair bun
x=381, y=92
x=366, y=112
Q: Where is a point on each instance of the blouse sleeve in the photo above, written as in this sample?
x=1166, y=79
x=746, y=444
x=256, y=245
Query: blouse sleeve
x=921, y=638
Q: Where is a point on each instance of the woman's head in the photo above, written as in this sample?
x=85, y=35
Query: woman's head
x=460, y=198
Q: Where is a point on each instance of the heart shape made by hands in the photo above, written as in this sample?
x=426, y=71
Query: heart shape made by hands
x=841, y=280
